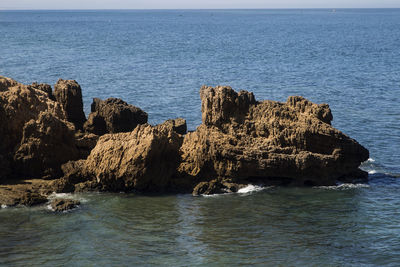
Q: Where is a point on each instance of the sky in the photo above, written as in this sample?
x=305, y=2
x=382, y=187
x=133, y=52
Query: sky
x=194, y=4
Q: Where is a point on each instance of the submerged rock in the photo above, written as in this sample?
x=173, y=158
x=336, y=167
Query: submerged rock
x=113, y=116
x=216, y=187
x=60, y=205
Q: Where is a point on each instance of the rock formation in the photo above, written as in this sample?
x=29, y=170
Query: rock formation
x=240, y=141
x=144, y=159
x=69, y=94
x=268, y=142
x=20, y=105
x=46, y=143
x=113, y=116
x=60, y=205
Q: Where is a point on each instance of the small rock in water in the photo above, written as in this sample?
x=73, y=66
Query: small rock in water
x=64, y=204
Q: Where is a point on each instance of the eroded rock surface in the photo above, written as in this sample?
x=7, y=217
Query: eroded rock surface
x=144, y=159
x=20, y=105
x=60, y=205
x=46, y=143
x=266, y=141
x=69, y=94
x=26, y=192
x=113, y=116
x=240, y=141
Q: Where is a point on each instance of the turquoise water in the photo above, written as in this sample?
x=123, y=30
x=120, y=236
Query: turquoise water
x=158, y=60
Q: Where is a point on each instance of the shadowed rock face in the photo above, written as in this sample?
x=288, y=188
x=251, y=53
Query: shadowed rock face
x=19, y=104
x=113, y=116
x=36, y=136
x=243, y=139
x=69, y=94
x=47, y=143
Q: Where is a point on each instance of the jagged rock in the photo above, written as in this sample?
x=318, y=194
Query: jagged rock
x=113, y=116
x=60, y=205
x=69, y=94
x=243, y=139
x=85, y=143
x=27, y=193
x=216, y=187
x=144, y=159
x=47, y=143
x=45, y=88
x=178, y=125
x=20, y=104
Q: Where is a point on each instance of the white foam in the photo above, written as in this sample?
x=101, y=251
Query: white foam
x=250, y=188
x=343, y=186
x=216, y=195
x=55, y=195
x=372, y=171
x=4, y=206
x=370, y=160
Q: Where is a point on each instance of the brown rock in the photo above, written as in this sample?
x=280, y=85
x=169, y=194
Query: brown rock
x=27, y=193
x=45, y=88
x=243, y=139
x=216, y=187
x=144, y=159
x=69, y=94
x=47, y=143
x=19, y=104
x=60, y=205
x=113, y=116
x=85, y=143
x=178, y=125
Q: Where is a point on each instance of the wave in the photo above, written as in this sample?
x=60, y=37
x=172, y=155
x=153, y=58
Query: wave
x=345, y=186
x=250, y=189
x=67, y=196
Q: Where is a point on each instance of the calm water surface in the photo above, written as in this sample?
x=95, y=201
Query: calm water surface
x=158, y=60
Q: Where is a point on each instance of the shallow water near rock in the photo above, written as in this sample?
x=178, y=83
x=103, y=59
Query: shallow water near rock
x=157, y=60
x=344, y=225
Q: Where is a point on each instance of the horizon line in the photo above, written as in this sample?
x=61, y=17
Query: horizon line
x=160, y=9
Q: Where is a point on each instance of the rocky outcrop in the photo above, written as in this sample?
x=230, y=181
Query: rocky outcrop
x=240, y=141
x=36, y=135
x=268, y=142
x=144, y=159
x=19, y=105
x=216, y=187
x=113, y=116
x=27, y=193
x=46, y=143
x=69, y=94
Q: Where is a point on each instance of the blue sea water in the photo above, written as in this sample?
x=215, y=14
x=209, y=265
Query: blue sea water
x=158, y=60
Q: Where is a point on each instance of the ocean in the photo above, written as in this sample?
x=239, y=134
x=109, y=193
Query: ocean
x=157, y=60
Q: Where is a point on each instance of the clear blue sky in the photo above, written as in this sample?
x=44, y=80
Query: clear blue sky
x=176, y=4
